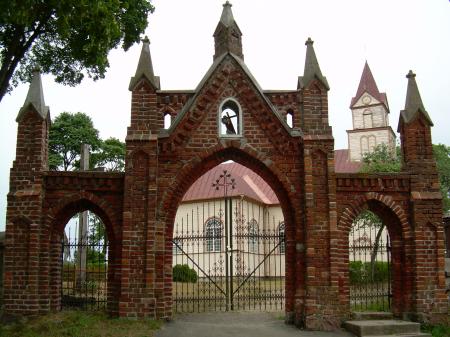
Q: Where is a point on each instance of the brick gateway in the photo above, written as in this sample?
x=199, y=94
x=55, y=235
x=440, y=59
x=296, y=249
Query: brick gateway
x=138, y=206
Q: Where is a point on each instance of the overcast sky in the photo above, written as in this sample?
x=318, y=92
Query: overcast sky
x=394, y=36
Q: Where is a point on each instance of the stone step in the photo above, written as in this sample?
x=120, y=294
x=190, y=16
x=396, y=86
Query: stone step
x=371, y=315
x=419, y=334
x=382, y=328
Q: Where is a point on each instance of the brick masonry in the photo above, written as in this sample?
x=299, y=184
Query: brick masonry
x=138, y=207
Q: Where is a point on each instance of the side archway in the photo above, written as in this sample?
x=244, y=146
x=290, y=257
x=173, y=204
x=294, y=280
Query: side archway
x=395, y=219
x=57, y=218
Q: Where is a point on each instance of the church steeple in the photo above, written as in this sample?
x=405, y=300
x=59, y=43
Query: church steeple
x=227, y=36
x=312, y=68
x=145, y=67
x=368, y=85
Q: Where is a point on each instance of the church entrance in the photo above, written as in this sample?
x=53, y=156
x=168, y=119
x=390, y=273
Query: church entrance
x=229, y=244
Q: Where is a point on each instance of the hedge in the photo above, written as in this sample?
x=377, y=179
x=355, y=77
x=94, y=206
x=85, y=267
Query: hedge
x=360, y=272
x=183, y=273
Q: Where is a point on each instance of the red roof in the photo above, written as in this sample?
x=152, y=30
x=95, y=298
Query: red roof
x=368, y=84
x=342, y=164
x=248, y=183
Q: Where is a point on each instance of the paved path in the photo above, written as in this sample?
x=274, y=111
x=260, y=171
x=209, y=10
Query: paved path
x=236, y=324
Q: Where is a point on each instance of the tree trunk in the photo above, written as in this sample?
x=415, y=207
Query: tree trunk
x=373, y=255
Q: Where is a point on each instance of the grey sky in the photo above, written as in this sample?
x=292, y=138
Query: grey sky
x=393, y=35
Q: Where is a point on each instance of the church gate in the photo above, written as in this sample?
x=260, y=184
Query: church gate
x=227, y=117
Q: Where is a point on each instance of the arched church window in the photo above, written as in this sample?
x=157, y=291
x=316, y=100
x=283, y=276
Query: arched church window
x=167, y=120
x=230, y=118
x=367, y=116
x=290, y=118
x=372, y=143
x=364, y=145
x=281, y=235
x=213, y=235
x=253, y=236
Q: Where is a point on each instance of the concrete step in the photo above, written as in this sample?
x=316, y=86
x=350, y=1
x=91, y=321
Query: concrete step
x=382, y=328
x=371, y=315
x=419, y=334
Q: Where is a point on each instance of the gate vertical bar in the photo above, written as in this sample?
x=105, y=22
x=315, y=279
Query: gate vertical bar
x=230, y=223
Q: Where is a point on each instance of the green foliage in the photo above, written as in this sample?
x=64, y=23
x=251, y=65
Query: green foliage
x=67, y=38
x=183, y=273
x=67, y=133
x=442, y=155
x=367, y=219
x=381, y=160
x=438, y=330
x=360, y=272
x=111, y=155
x=74, y=323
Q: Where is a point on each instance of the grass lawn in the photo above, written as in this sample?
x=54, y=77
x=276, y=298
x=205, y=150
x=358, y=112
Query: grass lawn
x=73, y=323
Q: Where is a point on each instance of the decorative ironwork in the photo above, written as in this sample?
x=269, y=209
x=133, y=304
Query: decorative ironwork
x=370, y=267
x=84, y=283
x=246, y=273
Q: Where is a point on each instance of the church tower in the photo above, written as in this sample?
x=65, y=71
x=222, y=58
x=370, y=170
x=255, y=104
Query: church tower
x=370, y=115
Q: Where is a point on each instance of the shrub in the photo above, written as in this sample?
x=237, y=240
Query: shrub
x=183, y=273
x=361, y=272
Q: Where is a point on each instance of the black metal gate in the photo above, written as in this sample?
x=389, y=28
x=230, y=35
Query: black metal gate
x=370, y=265
x=228, y=254
x=84, y=264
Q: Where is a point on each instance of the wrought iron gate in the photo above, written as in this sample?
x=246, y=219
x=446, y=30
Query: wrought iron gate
x=84, y=265
x=228, y=254
x=370, y=266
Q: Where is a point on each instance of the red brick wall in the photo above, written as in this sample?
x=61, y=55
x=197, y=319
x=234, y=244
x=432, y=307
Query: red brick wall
x=139, y=206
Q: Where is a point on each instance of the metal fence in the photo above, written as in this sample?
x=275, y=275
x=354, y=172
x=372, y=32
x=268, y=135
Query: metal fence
x=84, y=265
x=370, y=267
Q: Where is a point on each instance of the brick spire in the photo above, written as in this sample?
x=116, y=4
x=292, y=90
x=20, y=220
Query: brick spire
x=227, y=36
x=145, y=67
x=368, y=85
x=312, y=68
x=35, y=98
x=413, y=103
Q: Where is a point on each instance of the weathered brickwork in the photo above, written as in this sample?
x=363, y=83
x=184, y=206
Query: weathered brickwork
x=138, y=206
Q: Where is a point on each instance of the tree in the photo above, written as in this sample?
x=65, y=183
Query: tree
x=111, y=155
x=381, y=160
x=442, y=155
x=67, y=38
x=67, y=133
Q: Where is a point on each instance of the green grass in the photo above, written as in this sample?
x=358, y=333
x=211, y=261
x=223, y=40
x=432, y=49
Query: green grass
x=79, y=324
x=436, y=330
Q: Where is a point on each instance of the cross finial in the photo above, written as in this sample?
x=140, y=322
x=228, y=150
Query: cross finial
x=309, y=41
x=410, y=74
x=146, y=39
x=227, y=3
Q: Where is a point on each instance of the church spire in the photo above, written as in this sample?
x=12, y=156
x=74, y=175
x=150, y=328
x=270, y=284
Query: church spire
x=312, y=68
x=35, y=97
x=413, y=103
x=227, y=36
x=368, y=85
x=145, y=67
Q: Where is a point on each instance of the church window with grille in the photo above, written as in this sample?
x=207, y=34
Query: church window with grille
x=213, y=235
x=281, y=235
x=253, y=236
